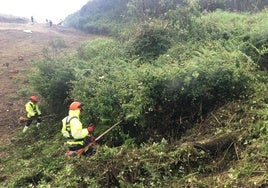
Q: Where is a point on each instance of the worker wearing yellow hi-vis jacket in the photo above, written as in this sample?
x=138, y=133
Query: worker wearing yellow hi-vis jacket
x=33, y=112
x=72, y=128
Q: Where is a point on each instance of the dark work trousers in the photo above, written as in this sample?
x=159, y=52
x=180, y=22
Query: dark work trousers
x=36, y=117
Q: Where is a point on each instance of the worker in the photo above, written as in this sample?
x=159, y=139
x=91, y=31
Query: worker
x=33, y=112
x=72, y=129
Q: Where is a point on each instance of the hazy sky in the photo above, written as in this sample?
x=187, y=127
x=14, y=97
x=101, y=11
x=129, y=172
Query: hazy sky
x=41, y=10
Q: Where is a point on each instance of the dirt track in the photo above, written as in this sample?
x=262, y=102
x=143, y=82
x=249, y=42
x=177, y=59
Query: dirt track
x=20, y=45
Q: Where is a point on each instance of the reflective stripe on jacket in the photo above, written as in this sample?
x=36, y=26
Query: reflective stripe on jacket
x=76, y=133
x=32, y=109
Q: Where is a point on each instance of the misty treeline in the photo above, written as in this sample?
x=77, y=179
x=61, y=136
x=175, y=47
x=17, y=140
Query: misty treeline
x=100, y=16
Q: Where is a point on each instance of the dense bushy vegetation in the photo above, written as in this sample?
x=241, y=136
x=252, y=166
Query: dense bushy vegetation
x=176, y=76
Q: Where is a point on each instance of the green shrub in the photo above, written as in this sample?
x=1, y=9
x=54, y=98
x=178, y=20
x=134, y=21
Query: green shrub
x=52, y=80
x=255, y=41
x=149, y=44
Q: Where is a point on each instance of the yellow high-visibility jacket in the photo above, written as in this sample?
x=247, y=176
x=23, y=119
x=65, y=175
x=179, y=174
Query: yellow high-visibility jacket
x=72, y=128
x=32, y=109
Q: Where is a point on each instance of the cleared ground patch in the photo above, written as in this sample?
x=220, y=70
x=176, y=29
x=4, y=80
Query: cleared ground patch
x=21, y=44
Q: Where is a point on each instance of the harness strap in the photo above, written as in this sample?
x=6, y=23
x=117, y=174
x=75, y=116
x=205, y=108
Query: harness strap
x=68, y=127
x=33, y=107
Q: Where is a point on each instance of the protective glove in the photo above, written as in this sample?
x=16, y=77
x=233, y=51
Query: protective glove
x=90, y=128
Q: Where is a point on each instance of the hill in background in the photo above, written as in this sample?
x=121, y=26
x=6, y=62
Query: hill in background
x=13, y=19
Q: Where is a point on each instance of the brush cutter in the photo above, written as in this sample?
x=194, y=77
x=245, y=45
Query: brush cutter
x=25, y=119
x=87, y=147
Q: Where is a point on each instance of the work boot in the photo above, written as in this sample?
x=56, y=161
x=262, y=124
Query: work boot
x=25, y=129
x=37, y=125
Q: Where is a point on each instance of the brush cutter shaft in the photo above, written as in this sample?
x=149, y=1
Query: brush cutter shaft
x=108, y=130
x=80, y=151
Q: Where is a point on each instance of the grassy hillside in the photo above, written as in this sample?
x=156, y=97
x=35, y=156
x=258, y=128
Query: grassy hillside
x=191, y=90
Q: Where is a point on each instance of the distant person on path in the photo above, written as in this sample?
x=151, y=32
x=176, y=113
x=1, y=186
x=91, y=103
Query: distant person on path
x=33, y=112
x=32, y=19
x=50, y=23
x=72, y=129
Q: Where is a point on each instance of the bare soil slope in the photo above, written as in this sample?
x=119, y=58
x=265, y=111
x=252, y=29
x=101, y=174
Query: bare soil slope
x=20, y=45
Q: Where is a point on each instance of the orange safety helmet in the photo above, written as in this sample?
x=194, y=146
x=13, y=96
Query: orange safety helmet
x=34, y=98
x=76, y=106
